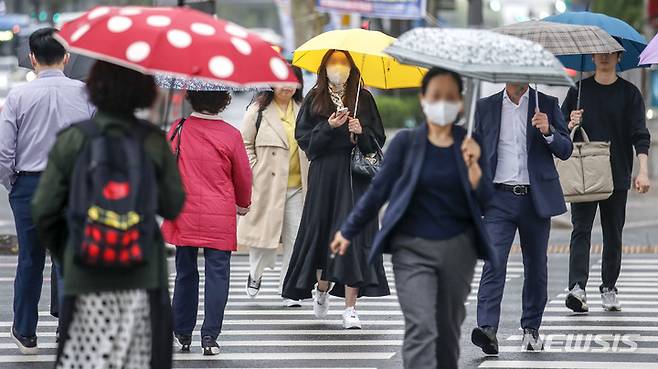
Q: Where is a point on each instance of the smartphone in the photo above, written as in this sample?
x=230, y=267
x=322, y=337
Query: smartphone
x=341, y=111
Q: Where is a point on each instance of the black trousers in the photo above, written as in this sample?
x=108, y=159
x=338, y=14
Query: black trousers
x=613, y=216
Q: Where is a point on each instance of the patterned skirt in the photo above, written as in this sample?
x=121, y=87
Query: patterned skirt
x=109, y=330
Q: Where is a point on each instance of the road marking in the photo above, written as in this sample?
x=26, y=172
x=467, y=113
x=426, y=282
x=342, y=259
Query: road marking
x=324, y=331
x=579, y=350
x=603, y=318
x=257, y=322
x=622, y=296
x=597, y=267
x=552, y=364
x=623, y=309
x=638, y=338
x=597, y=301
x=234, y=356
x=607, y=328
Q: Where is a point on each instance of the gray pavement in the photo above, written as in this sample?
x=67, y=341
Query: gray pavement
x=261, y=333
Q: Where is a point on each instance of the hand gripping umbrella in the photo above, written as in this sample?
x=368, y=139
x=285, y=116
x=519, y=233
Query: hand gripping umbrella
x=480, y=55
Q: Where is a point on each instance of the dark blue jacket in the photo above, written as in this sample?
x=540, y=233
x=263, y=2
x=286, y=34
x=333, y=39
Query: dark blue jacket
x=396, y=183
x=545, y=186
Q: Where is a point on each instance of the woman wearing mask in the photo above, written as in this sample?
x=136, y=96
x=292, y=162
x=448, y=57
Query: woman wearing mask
x=112, y=317
x=435, y=181
x=217, y=179
x=327, y=131
x=280, y=171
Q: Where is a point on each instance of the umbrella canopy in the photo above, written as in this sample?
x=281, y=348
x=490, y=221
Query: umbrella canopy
x=563, y=39
x=480, y=54
x=632, y=42
x=178, y=83
x=180, y=42
x=367, y=49
x=650, y=53
x=77, y=68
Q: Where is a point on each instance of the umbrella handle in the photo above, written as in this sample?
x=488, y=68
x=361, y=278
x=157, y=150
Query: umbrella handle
x=471, y=113
x=537, y=99
x=356, y=104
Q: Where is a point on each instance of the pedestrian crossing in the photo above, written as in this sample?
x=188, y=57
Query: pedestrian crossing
x=599, y=339
x=261, y=332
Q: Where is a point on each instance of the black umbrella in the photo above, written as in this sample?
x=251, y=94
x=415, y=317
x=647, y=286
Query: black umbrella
x=78, y=66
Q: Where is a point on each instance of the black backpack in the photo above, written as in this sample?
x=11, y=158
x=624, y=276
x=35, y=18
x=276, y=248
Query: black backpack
x=113, y=199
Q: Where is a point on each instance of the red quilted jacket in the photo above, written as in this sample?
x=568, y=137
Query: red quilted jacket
x=216, y=176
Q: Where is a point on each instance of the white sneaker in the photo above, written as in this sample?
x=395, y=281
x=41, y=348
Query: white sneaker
x=577, y=300
x=321, y=303
x=292, y=303
x=609, y=300
x=351, y=319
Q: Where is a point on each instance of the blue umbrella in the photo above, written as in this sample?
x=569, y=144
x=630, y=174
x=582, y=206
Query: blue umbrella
x=631, y=40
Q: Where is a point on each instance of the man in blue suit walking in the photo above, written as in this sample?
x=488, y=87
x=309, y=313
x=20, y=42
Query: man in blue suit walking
x=520, y=141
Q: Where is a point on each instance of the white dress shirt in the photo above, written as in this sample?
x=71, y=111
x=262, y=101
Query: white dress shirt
x=512, y=166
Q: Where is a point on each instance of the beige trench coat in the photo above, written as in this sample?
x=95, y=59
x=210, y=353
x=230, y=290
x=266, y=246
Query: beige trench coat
x=269, y=159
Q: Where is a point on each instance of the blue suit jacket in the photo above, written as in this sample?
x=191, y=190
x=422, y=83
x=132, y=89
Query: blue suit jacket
x=546, y=191
x=396, y=183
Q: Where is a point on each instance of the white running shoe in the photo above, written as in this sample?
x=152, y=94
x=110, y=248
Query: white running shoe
x=577, y=300
x=321, y=303
x=293, y=303
x=351, y=319
x=609, y=300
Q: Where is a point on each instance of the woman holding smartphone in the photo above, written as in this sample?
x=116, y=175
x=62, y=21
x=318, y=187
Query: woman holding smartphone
x=327, y=131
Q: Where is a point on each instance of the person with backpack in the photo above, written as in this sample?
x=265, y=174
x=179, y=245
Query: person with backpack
x=217, y=179
x=32, y=116
x=280, y=172
x=106, y=180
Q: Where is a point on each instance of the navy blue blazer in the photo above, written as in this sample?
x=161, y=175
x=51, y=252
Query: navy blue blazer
x=396, y=183
x=546, y=191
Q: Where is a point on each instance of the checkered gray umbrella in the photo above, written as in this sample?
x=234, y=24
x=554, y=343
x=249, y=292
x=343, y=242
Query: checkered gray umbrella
x=564, y=39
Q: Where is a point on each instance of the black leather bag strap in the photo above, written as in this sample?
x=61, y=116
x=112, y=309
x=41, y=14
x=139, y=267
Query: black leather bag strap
x=177, y=133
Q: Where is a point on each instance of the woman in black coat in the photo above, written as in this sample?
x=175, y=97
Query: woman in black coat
x=327, y=131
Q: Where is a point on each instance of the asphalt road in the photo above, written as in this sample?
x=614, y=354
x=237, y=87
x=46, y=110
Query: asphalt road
x=261, y=333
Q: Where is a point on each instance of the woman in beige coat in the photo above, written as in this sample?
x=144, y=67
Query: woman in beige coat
x=279, y=171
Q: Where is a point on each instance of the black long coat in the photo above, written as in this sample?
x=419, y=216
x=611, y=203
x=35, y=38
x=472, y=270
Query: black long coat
x=332, y=193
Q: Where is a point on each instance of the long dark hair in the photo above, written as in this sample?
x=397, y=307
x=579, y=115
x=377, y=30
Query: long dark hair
x=264, y=98
x=322, y=104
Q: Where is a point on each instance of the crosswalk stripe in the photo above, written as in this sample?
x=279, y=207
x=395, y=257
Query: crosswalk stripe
x=552, y=364
x=624, y=309
x=597, y=301
x=606, y=328
x=324, y=331
x=621, y=295
x=604, y=318
x=234, y=356
x=256, y=322
x=629, y=267
x=560, y=350
x=519, y=337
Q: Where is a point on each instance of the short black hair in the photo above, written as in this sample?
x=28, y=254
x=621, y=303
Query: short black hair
x=213, y=102
x=435, y=72
x=45, y=48
x=118, y=90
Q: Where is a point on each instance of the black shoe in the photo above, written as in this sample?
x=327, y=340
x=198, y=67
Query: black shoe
x=184, y=341
x=209, y=346
x=253, y=287
x=26, y=345
x=485, y=338
x=531, y=340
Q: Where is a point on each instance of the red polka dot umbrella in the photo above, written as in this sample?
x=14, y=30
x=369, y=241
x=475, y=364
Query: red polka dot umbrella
x=180, y=42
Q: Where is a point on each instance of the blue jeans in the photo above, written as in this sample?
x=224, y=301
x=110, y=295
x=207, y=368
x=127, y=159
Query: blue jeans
x=186, y=290
x=31, y=258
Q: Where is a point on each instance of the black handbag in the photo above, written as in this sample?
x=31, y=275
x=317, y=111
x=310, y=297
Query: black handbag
x=366, y=165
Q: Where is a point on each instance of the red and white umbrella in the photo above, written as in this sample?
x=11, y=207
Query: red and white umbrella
x=180, y=42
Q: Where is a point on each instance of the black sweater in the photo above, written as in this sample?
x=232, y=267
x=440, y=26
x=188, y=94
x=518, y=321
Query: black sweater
x=613, y=113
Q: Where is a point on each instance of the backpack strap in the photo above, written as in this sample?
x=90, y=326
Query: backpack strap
x=89, y=128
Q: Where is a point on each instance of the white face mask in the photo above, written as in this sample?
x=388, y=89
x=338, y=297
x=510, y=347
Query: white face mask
x=338, y=73
x=441, y=112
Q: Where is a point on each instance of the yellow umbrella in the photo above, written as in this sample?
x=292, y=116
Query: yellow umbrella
x=377, y=69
